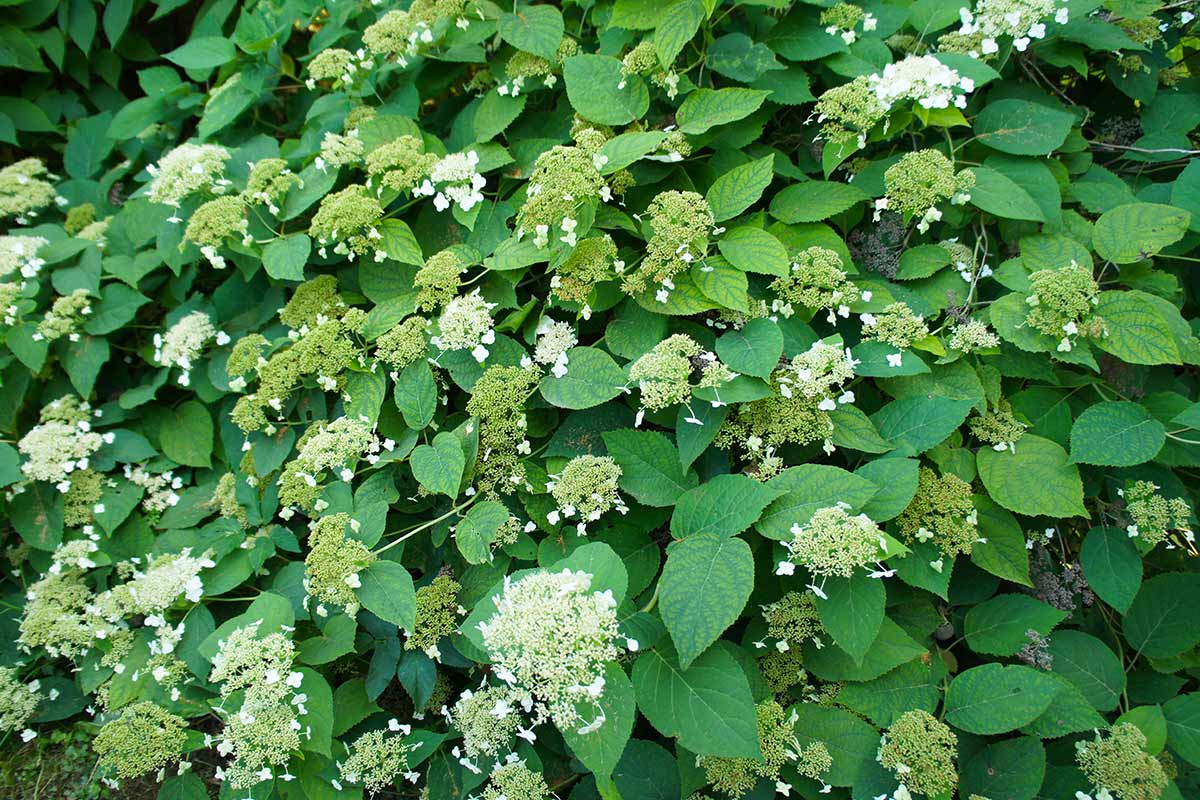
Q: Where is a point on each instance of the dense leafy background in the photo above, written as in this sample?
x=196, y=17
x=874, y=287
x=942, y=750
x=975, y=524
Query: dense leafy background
x=1081, y=146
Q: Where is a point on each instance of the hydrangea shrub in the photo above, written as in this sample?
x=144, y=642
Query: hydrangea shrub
x=606, y=400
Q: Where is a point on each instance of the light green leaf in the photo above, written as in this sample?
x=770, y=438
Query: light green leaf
x=1112, y=566
x=1000, y=195
x=676, y=27
x=650, y=466
x=534, y=29
x=1022, y=127
x=993, y=698
x=439, y=466
x=752, y=249
x=187, y=435
x=725, y=505
x=1038, y=479
x=754, y=349
x=852, y=612
x=708, y=108
x=703, y=589
x=592, y=87
x=203, y=53
x=601, y=749
x=415, y=394
x=1136, y=231
x=592, y=378
x=739, y=188
x=387, y=592
x=1116, y=434
x=813, y=201
x=915, y=424
x=476, y=531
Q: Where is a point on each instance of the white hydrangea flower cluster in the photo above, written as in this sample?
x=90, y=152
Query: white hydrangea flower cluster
x=264, y=732
x=161, y=489
x=1020, y=19
x=188, y=169
x=924, y=80
x=454, y=180
x=18, y=702
x=554, y=339
x=552, y=635
x=61, y=443
x=20, y=253
x=466, y=324
x=184, y=342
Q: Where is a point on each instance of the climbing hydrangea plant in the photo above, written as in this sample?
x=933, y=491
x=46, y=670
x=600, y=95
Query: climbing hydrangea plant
x=605, y=400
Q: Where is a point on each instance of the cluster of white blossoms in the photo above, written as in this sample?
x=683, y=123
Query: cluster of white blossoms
x=20, y=253
x=923, y=79
x=554, y=339
x=152, y=591
x=454, y=180
x=836, y=543
x=18, y=701
x=184, y=342
x=264, y=732
x=162, y=490
x=1023, y=20
x=587, y=486
x=466, y=324
x=552, y=635
x=61, y=443
x=188, y=169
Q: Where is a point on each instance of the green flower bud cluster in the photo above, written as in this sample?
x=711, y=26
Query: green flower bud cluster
x=392, y=33
x=941, y=512
x=261, y=735
x=334, y=561
x=466, y=324
x=972, y=335
x=1062, y=304
x=848, y=112
x=783, y=669
x=270, y=179
x=375, y=761
x=641, y=60
x=437, y=614
x=10, y=305
x=998, y=427
x=186, y=170
x=522, y=66
x=488, y=720
x=843, y=16
x=399, y=165
x=55, y=617
x=214, y=222
x=1153, y=515
x=498, y=400
x=80, y=501
x=403, y=344
x=591, y=262
x=19, y=254
x=154, y=590
x=780, y=747
x=920, y=750
x=552, y=635
x=312, y=303
x=587, y=486
x=246, y=355
x=1119, y=764
x=350, y=219
x=675, y=145
x=61, y=443
x=327, y=446
x=663, y=375
x=807, y=390
x=896, y=325
x=339, y=150
x=226, y=500
x=680, y=223
x=918, y=182
x=18, y=700
x=564, y=178
x=360, y=115
x=437, y=281
x=25, y=190
x=64, y=317
x=515, y=781
x=816, y=282
x=833, y=543
x=145, y=738
x=793, y=619
x=79, y=217
x=333, y=64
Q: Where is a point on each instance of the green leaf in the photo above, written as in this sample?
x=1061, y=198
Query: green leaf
x=335, y=640
x=908, y=687
x=993, y=698
x=737, y=56
x=725, y=505
x=88, y=146
x=621, y=151
x=387, y=592
x=708, y=108
x=1183, y=726
x=897, y=482
x=1159, y=623
x=739, y=188
x=809, y=488
x=399, y=243
x=852, y=612
x=722, y=283
x=703, y=589
x=592, y=378
x=476, y=531
x=1013, y=769
x=999, y=626
x=1112, y=566
x=915, y=424
x=754, y=349
x=922, y=261
x=203, y=53
x=84, y=360
x=752, y=249
x=1090, y=665
x=439, y=467
x=676, y=27
x=117, y=307
x=1038, y=479
x=1003, y=553
x=1022, y=127
x=707, y=706
x=602, y=563
x=1138, y=333
x=1068, y=712
x=650, y=466
x=1116, y=434
x=187, y=435
x=1000, y=195
x=813, y=201
x=601, y=749
x=284, y=259
x=1136, y=231
x=852, y=743
x=891, y=648
x=592, y=87
x=534, y=29
x=37, y=514
x=416, y=395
